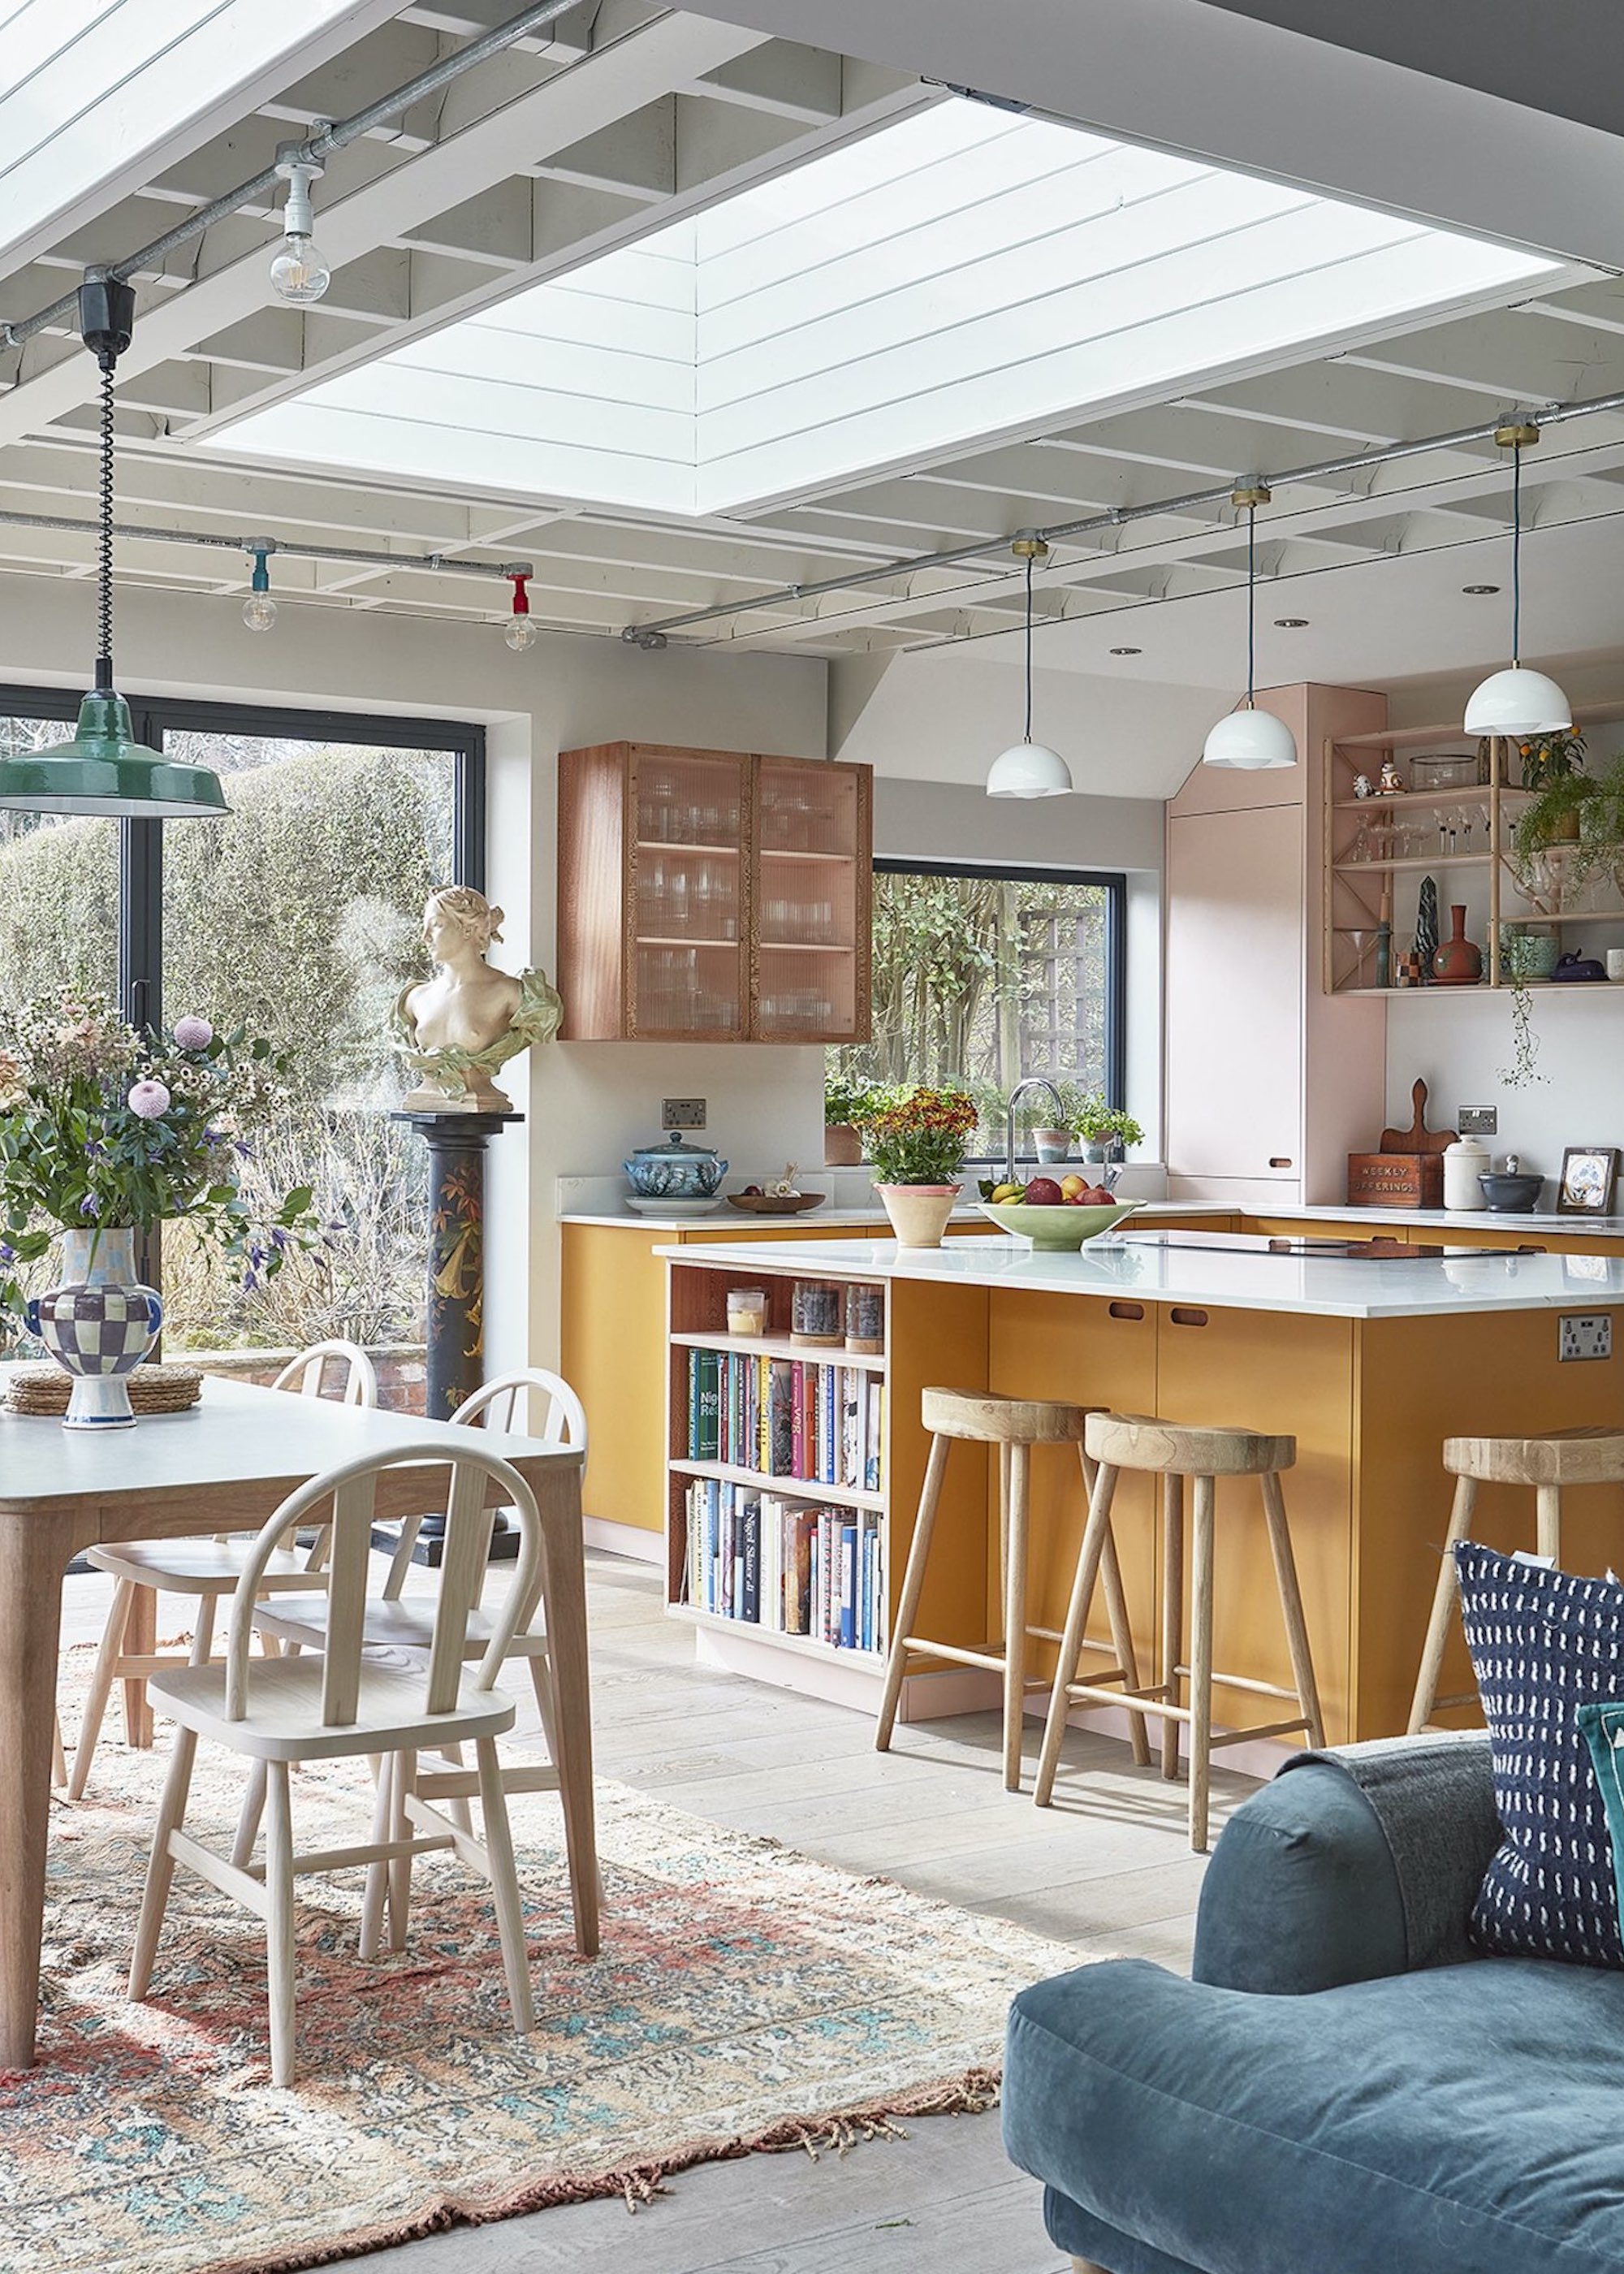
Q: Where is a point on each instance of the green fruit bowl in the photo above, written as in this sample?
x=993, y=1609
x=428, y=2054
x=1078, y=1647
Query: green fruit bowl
x=1056, y=1230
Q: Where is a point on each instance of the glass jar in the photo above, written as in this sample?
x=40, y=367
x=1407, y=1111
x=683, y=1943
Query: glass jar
x=815, y=1314
x=746, y=1310
x=865, y=1320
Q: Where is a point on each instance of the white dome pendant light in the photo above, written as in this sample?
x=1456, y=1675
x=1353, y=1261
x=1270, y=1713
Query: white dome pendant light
x=1029, y=769
x=1517, y=702
x=1250, y=740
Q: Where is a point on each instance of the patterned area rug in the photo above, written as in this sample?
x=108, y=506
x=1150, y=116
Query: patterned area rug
x=745, y=1999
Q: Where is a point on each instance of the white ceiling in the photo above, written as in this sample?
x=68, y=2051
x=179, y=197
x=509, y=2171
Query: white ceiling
x=629, y=119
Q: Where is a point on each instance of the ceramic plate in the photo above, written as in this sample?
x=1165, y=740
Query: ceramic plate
x=641, y=1206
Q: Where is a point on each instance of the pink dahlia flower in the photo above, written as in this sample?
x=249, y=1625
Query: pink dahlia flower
x=149, y=1099
x=192, y=1033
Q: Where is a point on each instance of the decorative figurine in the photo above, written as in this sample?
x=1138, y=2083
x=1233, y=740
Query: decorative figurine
x=1388, y=783
x=455, y=1030
x=1362, y=786
x=1426, y=929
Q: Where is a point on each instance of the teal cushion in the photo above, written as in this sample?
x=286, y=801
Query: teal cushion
x=1460, y=2120
x=1543, y=1644
x=1603, y=1728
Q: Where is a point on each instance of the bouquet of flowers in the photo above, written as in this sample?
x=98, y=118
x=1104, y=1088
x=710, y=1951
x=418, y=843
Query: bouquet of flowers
x=105, y=1129
x=919, y=1136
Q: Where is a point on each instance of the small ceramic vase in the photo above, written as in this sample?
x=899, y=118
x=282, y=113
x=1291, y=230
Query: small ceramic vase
x=98, y=1325
x=918, y=1212
x=1458, y=963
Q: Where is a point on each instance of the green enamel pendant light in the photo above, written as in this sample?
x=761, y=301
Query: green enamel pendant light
x=104, y=769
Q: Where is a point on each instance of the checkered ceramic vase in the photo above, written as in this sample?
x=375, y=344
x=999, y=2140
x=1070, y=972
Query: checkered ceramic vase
x=98, y=1325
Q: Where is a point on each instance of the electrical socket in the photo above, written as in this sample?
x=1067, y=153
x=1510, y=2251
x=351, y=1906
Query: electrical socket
x=1477, y=1121
x=683, y=1113
x=1585, y=1334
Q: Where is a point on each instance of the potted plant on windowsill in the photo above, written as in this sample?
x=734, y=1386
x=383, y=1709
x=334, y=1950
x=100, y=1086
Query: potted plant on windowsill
x=1106, y=1131
x=847, y=1105
x=916, y=1141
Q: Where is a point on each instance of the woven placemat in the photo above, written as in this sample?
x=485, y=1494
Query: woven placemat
x=45, y=1389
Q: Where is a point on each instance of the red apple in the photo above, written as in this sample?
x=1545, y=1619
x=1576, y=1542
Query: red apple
x=1043, y=1192
x=1098, y=1196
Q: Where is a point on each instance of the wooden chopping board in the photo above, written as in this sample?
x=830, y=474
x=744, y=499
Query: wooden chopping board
x=1418, y=1138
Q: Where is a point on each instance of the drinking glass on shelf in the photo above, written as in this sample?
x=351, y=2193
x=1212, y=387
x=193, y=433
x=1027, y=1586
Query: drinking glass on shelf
x=1362, y=938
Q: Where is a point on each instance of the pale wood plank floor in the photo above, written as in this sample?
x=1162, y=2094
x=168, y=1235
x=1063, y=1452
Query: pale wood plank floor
x=1107, y=1869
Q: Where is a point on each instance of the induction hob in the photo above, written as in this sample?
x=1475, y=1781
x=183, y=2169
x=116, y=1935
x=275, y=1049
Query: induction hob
x=1378, y=1249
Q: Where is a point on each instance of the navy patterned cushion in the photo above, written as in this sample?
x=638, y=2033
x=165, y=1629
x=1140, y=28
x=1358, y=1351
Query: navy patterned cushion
x=1542, y=1644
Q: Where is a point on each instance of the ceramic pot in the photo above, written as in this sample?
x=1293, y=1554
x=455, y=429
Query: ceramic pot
x=918, y=1212
x=842, y=1146
x=674, y=1169
x=98, y=1325
x=1527, y=954
x=1052, y=1144
x=1458, y=963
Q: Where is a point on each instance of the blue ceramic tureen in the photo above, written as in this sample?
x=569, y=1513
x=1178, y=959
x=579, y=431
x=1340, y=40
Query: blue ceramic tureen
x=675, y=1171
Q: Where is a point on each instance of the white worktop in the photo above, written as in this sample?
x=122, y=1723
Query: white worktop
x=1460, y=1220
x=853, y=1219
x=1363, y=1288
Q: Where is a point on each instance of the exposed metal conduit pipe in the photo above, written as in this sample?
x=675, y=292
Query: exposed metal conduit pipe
x=338, y=136
x=1113, y=517
x=442, y=564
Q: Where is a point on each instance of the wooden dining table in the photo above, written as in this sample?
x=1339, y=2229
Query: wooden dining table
x=225, y=1466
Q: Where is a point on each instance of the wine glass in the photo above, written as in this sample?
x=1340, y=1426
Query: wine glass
x=1363, y=937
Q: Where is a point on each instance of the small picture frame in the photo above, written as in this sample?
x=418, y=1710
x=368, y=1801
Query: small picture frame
x=1589, y=1173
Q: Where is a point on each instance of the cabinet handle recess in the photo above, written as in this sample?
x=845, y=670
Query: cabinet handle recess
x=1279, y=1161
x=1183, y=1316
x=1127, y=1310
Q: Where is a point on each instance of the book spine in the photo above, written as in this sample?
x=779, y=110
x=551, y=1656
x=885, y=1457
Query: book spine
x=749, y=1560
x=780, y=1432
x=832, y=1425
x=846, y=1635
x=799, y=1610
x=710, y=1417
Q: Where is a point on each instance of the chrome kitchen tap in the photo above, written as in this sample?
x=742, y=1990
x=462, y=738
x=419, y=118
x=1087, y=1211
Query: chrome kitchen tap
x=1031, y=1082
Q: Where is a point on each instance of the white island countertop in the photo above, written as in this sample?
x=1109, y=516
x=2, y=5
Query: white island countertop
x=1222, y=1278
x=850, y=1219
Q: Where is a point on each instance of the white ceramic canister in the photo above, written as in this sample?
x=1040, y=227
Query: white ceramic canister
x=1465, y=1162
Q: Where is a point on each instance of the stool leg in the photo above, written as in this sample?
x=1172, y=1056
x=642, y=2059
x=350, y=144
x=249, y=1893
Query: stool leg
x=1121, y=1631
x=1548, y=1522
x=1291, y=1604
x=1094, y=1532
x=1443, y=1604
x=913, y=1587
x=1201, y=1659
x=1015, y=1613
x=1172, y=1610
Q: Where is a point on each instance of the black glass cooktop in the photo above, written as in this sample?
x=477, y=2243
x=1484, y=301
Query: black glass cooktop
x=1377, y=1249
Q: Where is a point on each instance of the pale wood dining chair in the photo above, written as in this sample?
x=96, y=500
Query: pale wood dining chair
x=341, y=1703
x=298, y=1621
x=206, y=1570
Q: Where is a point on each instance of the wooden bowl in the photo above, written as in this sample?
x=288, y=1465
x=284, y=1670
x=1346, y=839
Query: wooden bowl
x=775, y=1203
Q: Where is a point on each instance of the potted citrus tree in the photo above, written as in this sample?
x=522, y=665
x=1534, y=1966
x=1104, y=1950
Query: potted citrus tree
x=916, y=1141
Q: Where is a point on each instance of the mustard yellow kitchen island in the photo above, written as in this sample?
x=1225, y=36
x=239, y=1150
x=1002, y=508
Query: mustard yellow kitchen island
x=1369, y=1361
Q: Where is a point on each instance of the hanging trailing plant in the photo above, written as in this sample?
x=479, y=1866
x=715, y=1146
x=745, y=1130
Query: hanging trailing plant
x=1522, y=1072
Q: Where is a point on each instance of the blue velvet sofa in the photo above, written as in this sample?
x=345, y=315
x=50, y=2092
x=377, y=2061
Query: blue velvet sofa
x=1343, y=2088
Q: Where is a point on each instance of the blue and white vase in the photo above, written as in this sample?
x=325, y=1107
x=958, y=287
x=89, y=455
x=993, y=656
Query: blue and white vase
x=98, y=1325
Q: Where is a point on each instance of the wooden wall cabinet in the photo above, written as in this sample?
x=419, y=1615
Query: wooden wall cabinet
x=713, y=896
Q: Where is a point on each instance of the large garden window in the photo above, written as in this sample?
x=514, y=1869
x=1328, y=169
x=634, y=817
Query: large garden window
x=982, y=976
x=298, y=914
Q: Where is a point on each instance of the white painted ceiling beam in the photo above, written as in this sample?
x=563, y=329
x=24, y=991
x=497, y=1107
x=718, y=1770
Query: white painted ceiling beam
x=582, y=98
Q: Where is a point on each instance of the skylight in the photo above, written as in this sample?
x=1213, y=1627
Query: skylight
x=958, y=276
x=89, y=87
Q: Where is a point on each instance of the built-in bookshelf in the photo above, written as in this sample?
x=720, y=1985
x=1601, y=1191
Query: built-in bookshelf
x=777, y=1475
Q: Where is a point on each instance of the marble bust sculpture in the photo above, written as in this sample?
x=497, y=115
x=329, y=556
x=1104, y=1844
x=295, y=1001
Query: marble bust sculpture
x=454, y=1031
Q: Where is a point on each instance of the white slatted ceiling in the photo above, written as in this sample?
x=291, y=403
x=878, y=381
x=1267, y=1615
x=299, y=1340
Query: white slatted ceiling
x=956, y=275
x=87, y=87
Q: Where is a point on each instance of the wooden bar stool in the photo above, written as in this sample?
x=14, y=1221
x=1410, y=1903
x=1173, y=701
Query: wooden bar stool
x=1014, y=1425
x=1567, y=1457
x=1168, y=1450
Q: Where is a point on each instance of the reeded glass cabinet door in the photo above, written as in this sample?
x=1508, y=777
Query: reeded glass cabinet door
x=813, y=838
x=688, y=844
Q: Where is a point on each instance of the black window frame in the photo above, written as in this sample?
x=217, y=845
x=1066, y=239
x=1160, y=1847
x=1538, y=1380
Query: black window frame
x=141, y=843
x=1114, y=884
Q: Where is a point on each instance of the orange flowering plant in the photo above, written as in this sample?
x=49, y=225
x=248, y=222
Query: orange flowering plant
x=919, y=1136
